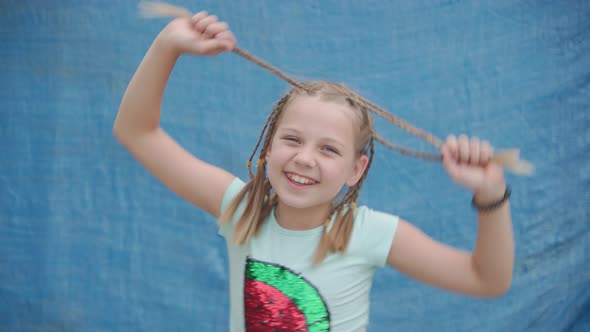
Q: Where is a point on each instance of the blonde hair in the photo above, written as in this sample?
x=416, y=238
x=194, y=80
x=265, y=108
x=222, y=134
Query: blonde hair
x=257, y=191
x=259, y=201
x=510, y=158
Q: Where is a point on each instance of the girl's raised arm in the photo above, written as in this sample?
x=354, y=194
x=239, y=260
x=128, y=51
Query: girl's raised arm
x=487, y=270
x=137, y=125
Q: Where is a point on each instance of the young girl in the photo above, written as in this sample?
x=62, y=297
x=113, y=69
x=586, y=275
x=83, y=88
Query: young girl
x=302, y=255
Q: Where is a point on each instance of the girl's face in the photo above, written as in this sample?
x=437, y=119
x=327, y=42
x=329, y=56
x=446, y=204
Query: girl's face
x=312, y=154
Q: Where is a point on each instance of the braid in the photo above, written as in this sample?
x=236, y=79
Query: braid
x=270, y=124
x=257, y=190
x=154, y=9
x=266, y=66
x=508, y=158
x=337, y=238
x=259, y=201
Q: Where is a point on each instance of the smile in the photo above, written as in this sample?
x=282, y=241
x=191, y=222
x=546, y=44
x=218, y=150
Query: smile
x=299, y=179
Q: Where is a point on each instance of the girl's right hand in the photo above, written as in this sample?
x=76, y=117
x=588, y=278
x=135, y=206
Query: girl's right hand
x=203, y=34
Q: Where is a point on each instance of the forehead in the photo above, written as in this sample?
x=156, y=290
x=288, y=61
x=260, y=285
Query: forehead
x=318, y=120
x=311, y=109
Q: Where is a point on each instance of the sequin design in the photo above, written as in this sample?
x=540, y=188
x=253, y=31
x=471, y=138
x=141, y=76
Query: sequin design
x=278, y=299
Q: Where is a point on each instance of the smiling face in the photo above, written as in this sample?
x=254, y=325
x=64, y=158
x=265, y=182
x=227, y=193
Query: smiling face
x=314, y=152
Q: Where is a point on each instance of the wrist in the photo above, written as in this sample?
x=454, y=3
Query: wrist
x=491, y=193
x=165, y=47
x=487, y=203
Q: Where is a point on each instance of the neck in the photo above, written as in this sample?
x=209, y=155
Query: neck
x=301, y=219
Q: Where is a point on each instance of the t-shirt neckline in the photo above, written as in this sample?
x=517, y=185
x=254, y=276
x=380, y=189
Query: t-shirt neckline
x=291, y=232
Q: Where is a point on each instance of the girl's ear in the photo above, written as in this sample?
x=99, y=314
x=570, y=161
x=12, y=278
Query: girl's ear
x=360, y=165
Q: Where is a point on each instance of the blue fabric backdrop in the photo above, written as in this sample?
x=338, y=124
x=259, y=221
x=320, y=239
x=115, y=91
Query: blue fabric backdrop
x=89, y=241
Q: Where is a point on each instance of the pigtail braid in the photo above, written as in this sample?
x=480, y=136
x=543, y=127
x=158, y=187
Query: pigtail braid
x=509, y=158
x=257, y=192
x=337, y=238
x=270, y=121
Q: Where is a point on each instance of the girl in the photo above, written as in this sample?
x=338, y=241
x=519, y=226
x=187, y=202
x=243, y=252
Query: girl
x=302, y=254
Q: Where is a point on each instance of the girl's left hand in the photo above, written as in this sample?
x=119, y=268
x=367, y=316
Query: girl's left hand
x=468, y=163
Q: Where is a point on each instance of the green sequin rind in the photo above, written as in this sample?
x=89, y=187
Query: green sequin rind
x=294, y=286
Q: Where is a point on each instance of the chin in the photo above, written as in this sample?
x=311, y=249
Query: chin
x=294, y=202
x=300, y=203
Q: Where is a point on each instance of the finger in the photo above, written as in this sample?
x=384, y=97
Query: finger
x=445, y=152
x=204, y=23
x=474, y=151
x=198, y=16
x=228, y=39
x=485, y=152
x=463, y=143
x=449, y=162
x=211, y=46
x=215, y=28
x=452, y=146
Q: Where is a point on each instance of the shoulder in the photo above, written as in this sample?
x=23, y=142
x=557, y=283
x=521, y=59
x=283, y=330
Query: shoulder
x=232, y=190
x=370, y=220
x=373, y=233
x=230, y=193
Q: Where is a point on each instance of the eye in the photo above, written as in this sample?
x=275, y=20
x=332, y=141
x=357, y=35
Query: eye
x=331, y=149
x=291, y=139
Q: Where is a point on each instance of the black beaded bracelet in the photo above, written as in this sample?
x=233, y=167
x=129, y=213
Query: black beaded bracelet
x=494, y=205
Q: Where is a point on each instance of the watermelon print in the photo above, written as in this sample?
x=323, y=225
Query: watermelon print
x=278, y=299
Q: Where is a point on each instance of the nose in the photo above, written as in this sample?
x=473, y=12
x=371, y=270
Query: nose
x=305, y=157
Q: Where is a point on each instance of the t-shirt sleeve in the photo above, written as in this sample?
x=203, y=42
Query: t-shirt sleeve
x=377, y=231
x=231, y=192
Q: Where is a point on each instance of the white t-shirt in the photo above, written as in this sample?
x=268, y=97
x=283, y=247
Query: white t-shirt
x=274, y=287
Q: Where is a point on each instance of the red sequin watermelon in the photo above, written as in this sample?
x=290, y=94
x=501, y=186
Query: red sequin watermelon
x=278, y=299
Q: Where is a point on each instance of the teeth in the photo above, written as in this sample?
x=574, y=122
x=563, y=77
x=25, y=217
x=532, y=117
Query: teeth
x=299, y=179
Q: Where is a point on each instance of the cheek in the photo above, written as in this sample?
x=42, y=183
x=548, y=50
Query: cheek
x=348, y=171
x=336, y=171
x=275, y=161
x=274, y=156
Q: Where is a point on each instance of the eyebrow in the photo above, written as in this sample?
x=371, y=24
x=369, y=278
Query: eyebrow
x=325, y=139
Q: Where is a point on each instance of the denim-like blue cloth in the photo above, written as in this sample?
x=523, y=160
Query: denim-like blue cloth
x=90, y=241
